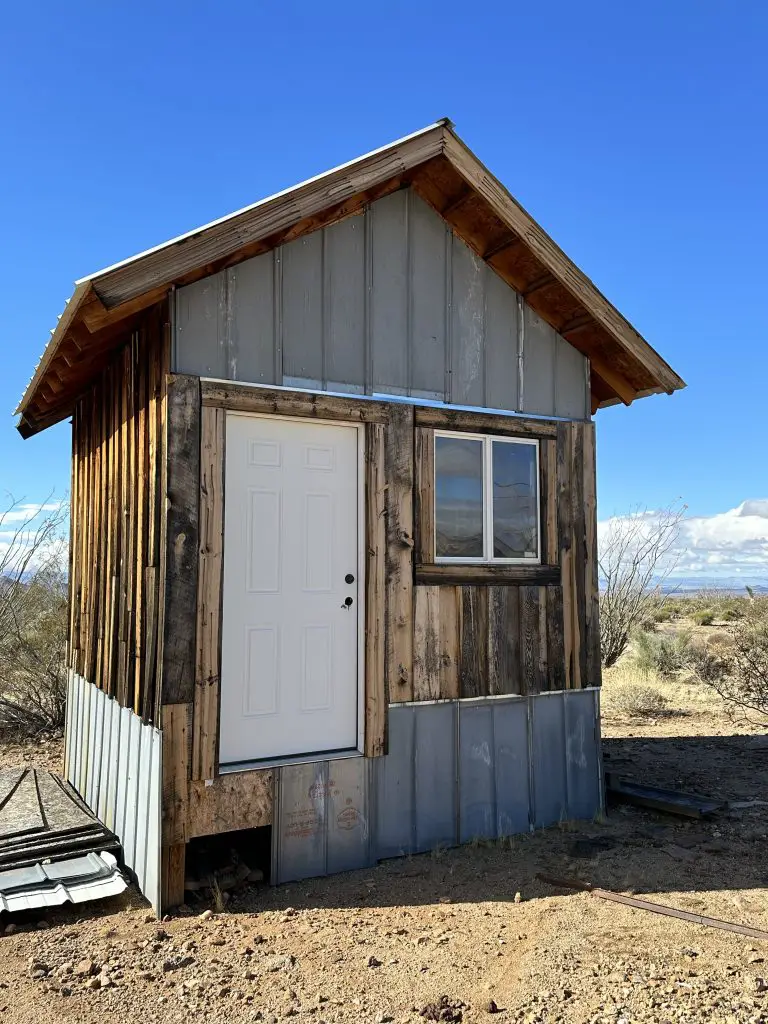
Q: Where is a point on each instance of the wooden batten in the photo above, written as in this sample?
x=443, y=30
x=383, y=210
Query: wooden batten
x=424, y=474
x=398, y=468
x=375, y=590
x=209, y=594
x=117, y=455
x=181, y=538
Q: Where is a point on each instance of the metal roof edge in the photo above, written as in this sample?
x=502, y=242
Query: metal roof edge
x=314, y=179
x=74, y=302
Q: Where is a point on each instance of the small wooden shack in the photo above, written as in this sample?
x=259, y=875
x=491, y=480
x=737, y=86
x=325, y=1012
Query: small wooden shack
x=333, y=562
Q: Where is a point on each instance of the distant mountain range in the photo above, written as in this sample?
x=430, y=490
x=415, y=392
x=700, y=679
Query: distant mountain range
x=727, y=584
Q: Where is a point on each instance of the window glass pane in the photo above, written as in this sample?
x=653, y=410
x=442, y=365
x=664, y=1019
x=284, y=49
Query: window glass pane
x=458, y=497
x=515, y=526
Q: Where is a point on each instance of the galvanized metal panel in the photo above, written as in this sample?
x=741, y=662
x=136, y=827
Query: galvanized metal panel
x=550, y=796
x=501, y=344
x=300, y=839
x=302, y=295
x=114, y=762
x=512, y=766
x=121, y=799
x=467, y=333
x=538, y=364
x=435, y=766
x=389, y=296
x=570, y=381
x=477, y=776
x=200, y=345
x=582, y=754
x=429, y=249
x=344, y=305
x=322, y=819
x=394, y=793
x=347, y=815
x=387, y=301
x=252, y=305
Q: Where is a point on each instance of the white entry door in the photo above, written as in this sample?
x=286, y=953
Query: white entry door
x=289, y=660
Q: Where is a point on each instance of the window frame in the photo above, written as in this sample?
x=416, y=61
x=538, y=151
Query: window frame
x=487, y=441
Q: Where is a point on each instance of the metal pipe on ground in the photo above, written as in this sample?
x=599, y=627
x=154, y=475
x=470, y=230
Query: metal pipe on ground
x=654, y=908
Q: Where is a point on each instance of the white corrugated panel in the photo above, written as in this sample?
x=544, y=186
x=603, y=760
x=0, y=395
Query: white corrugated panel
x=114, y=762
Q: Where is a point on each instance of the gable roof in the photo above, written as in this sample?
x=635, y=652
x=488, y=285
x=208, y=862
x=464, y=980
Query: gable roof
x=447, y=175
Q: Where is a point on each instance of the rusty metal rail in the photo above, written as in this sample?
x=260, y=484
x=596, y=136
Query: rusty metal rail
x=654, y=908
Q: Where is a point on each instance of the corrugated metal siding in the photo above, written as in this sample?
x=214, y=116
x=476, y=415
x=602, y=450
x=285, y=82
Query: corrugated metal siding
x=455, y=771
x=389, y=301
x=113, y=760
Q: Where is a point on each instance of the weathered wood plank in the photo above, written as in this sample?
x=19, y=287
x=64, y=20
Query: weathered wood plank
x=424, y=517
x=496, y=575
x=399, y=454
x=172, y=868
x=592, y=600
x=534, y=680
x=564, y=532
x=437, y=633
x=375, y=592
x=439, y=418
x=232, y=802
x=473, y=672
x=548, y=486
x=252, y=398
x=555, y=639
x=504, y=666
x=209, y=595
x=579, y=556
x=181, y=540
x=177, y=745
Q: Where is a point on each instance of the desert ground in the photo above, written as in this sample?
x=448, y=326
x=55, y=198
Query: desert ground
x=460, y=934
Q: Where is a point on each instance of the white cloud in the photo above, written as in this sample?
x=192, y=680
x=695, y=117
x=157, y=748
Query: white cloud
x=731, y=543
x=26, y=511
x=728, y=546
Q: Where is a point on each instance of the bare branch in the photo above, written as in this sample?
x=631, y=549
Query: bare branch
x=636, y=556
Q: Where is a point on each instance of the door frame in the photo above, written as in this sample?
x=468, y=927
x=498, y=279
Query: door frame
x=359, y=750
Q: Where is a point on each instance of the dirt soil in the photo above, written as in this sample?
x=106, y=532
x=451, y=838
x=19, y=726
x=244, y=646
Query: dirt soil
x=446, y=936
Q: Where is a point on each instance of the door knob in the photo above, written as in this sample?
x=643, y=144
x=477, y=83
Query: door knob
x=349, y=578
x=347, y=603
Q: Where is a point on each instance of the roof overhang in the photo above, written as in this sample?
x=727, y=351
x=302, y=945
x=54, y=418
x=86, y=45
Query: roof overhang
x=445, y=173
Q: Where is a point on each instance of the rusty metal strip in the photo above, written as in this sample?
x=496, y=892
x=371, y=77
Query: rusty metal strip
x=655, y=908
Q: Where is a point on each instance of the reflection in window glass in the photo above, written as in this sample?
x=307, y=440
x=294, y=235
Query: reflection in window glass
x=515, y=501
x=458, y=497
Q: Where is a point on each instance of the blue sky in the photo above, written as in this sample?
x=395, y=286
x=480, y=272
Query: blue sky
x=634, y=133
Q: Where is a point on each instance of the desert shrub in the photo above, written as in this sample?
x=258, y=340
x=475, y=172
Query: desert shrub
x=744, y=686
x=731, y=613
x=33, y=621
x=705, y=661
x=638, y=700
x=663, y=653
x=636, y=556
x=703, y=617
x=662, y=614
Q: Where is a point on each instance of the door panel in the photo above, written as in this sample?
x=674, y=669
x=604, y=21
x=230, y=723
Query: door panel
x=289, y=681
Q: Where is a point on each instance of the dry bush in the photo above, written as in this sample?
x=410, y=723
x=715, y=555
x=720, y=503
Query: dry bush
x=744, y=687
x=703, y=617
x=33, y=619
x=636, y=555
x=663, y=653
x=705, y=662
x=637, y=700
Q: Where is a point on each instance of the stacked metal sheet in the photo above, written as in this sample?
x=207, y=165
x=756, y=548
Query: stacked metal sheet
x=43, y=819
